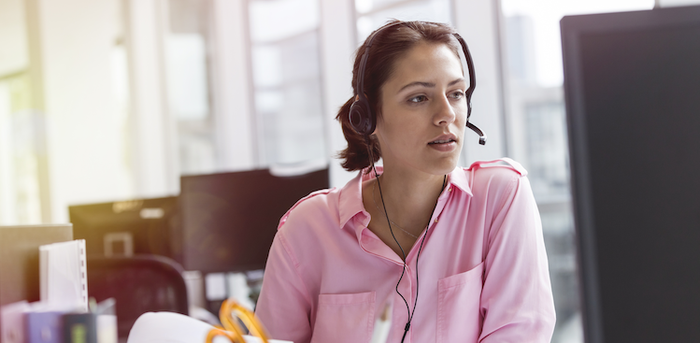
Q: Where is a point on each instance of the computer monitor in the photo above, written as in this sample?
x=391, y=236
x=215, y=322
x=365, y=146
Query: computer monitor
x=140, y=226
x=230, y=219
x=632, y=88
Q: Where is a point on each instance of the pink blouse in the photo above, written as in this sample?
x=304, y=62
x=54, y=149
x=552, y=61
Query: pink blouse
x=482, y=273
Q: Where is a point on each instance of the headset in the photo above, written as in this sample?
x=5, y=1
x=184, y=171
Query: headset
x=364, y=121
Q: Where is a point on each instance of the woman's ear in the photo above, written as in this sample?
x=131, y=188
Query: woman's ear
x=378, y=119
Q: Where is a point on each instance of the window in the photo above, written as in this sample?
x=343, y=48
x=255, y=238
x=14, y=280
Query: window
x=20, y=129
x=371, y=14
x=187, y=73
x=286, y=81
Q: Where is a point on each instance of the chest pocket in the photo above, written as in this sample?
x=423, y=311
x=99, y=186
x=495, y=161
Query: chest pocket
x=458, y=308
x=344, y=318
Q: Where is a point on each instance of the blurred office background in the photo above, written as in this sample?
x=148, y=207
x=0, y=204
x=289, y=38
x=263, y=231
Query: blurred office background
x=116, y=99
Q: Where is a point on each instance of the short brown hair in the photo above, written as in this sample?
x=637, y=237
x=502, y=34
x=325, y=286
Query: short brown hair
x=388, y=46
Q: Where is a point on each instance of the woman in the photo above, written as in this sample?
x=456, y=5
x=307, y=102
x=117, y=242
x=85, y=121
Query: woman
x=441, y=253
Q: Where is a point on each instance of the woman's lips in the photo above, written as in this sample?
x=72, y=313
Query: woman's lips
x=445, y=145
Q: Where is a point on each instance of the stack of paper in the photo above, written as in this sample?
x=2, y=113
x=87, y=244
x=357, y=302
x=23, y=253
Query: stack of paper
x=63, y=276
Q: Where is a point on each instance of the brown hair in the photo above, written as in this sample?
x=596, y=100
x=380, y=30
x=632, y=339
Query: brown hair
x=389, y=45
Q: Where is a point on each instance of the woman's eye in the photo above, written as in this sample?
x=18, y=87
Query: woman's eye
x=457, y=95
x=417, y=99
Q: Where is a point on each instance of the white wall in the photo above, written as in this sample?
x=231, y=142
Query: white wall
x=337, y=55
x=13, y=49
x=152, y=140
x=232, y=93
x=72, y=41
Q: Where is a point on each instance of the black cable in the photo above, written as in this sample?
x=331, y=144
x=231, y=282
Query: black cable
x=420, y=248
x=403, y=253
x=410, y=312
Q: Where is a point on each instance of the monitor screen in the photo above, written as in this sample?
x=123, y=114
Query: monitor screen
x=632, y=82
x=141, y=226
x=230, y=219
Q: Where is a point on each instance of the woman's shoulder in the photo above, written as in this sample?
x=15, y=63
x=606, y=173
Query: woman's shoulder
x=502, y=168
x=501, y=175
x=317, y=206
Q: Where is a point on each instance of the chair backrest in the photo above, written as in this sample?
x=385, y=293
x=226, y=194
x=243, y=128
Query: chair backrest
x=139, y=284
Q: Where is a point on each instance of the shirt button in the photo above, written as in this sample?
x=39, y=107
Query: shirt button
x=449, y=189
x=436, y=220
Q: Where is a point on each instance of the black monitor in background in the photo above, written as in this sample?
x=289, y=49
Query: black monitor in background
x=230, y=219
x=141, y=226
x=632, y=86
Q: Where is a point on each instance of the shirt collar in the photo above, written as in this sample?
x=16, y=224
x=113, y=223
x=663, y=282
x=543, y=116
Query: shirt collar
x=350, y=198
x=459, y=179
x=350, y=201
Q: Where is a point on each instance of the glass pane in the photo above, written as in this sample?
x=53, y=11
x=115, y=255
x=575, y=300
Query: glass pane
x=296, y=133
x=187, y=77
x=20, y=127
x=364, y=6
x=543, y=35
x=197, y=148
x=429, y=10
x=273, y=20
x=547, y=153
x=267, y=66
x=269, y=101
x=301, y=57
x=287, y=81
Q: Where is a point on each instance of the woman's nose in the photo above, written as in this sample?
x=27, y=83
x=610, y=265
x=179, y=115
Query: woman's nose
x=444, y=113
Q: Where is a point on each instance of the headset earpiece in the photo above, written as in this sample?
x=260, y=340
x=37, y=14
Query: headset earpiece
x=361, y=118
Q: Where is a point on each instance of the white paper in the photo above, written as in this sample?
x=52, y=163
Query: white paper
x=168, y=327
x=63, y=275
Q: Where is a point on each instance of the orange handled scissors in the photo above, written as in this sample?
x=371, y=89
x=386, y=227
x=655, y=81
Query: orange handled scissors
x=230, y=313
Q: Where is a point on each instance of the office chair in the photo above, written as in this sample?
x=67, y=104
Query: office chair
x=139, y=284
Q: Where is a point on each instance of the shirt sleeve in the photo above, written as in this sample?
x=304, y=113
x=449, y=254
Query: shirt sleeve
x=283, y=306
x=516, y=301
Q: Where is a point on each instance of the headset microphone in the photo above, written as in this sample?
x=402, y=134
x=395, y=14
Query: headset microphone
x=482, y=136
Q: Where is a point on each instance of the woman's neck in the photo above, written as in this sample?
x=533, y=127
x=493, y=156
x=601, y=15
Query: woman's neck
x=409, y=198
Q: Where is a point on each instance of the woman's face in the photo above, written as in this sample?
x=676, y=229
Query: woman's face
x=424, y=111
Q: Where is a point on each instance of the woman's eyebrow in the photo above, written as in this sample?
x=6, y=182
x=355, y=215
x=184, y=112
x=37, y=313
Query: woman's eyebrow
x=429, y=84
